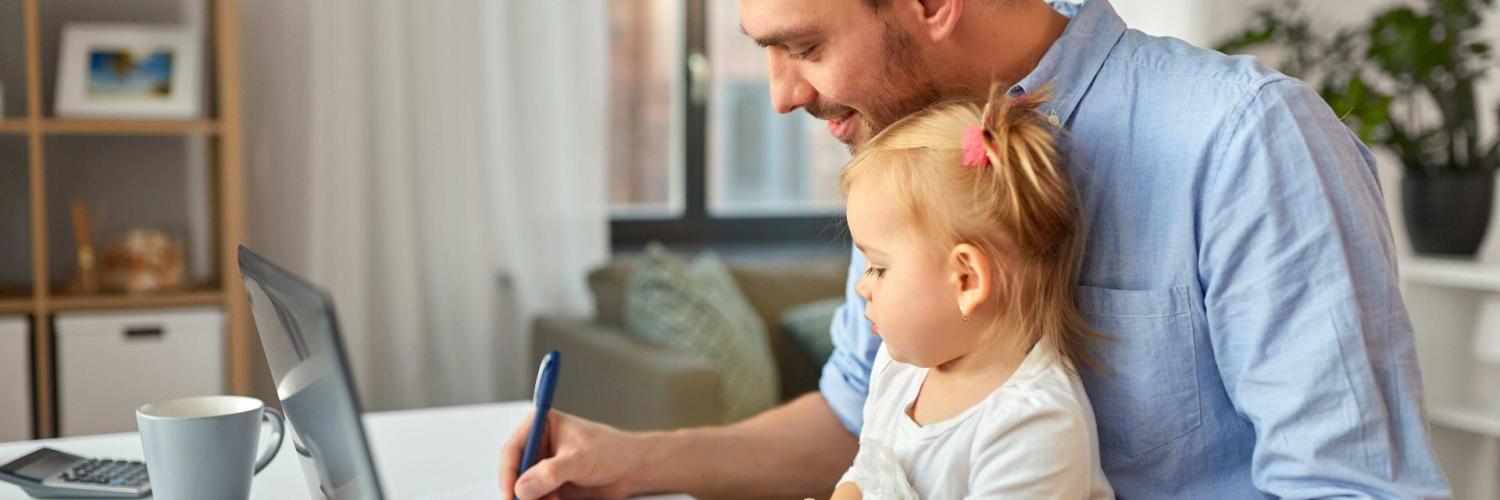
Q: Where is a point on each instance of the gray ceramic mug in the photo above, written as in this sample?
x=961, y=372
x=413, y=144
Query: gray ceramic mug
x=205, y=447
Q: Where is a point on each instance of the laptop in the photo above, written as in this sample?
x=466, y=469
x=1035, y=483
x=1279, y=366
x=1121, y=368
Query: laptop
x=301, y=338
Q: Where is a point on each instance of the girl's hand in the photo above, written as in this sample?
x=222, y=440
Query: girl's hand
x=876, y=473
x=846, y=491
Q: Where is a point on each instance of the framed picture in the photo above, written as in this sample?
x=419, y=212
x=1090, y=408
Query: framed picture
x=129, y=71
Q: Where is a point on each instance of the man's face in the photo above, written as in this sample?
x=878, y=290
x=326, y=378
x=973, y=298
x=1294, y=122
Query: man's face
x=855, y=67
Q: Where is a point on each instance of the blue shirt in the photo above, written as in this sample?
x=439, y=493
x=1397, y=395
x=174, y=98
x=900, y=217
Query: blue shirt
x=1240, y=258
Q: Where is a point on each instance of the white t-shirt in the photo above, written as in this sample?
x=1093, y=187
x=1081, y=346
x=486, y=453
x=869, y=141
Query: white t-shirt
x=1034, y=437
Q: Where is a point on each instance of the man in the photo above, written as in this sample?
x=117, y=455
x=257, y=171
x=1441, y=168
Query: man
x=1238, y=255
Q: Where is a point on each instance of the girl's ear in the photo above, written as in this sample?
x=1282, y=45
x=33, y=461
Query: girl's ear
x=971, y=277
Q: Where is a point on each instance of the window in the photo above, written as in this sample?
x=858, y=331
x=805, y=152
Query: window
x=761, y=162
x=645, y=110
x=698, y=155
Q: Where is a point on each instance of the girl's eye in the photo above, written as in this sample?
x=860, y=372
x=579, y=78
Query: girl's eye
x=878, y=272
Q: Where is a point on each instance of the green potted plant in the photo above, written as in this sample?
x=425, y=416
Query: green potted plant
x=1405, y=81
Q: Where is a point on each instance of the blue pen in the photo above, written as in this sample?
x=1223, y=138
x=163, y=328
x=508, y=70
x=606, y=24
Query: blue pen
x=546, y=385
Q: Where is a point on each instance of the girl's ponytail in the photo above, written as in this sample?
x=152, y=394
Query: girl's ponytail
x=1030, y=191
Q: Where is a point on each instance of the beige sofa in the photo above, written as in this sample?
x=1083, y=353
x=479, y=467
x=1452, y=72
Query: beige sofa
x=611, y=377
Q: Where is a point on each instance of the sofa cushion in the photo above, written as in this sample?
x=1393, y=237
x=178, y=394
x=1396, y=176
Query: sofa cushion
x=808, y=326
x=607, y=283
x=698, y=309
x=775, y=284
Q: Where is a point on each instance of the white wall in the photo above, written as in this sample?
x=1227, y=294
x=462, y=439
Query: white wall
x=1185, y=19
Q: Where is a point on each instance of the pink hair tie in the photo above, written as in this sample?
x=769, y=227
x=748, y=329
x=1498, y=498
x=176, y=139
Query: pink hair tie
x=974, y=150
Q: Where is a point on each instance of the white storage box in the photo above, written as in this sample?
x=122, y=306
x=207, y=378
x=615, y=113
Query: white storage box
x=15, y=379
x=109, y=364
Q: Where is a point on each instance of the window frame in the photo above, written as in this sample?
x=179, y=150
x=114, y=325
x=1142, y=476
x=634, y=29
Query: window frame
x=696, y=225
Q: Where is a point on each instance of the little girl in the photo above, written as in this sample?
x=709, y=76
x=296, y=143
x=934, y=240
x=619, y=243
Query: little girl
x=973, y=235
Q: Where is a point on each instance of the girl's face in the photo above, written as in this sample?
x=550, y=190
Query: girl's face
x=911, y=285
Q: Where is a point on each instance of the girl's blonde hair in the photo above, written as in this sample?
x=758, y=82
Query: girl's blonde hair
x=1020, y=208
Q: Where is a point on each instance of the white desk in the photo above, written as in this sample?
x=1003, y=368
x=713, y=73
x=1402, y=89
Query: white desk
x=417, y=452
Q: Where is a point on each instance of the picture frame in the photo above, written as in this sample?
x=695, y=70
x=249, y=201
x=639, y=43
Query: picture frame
x=129, y=71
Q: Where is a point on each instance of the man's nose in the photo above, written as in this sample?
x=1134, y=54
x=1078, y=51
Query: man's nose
x=788, y=90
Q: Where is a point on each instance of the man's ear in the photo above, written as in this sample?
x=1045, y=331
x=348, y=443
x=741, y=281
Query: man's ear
x=940, y=17
x=972, y=277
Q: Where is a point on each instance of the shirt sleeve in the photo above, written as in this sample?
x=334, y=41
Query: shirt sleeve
x=1306, y=320
x=1038, y=449
x=845, y=382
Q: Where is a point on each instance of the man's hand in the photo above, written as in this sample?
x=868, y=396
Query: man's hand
x=582, y=459
x=787, y=452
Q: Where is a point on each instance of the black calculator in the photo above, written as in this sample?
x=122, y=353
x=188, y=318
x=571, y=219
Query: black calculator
x=48, y=473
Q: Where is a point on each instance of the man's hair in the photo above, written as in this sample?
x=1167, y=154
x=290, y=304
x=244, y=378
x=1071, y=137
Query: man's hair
x=877, y=4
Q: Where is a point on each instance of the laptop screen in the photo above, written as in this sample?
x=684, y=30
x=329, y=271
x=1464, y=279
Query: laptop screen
x=301, y=339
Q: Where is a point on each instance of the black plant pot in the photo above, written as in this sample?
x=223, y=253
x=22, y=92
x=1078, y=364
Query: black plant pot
x=1448, y=213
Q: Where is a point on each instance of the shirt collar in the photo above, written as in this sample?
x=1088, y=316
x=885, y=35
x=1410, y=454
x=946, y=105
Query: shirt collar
x=1075, y=59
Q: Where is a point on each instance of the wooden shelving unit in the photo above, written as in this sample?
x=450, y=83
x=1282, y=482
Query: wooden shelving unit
x=12, y=305
x=227, y=191
x=1450, y=301
x=1476, y=420
x=112, y=127
x=152, y=301
x=130, y=127
x=1451, y=273
x=1480, y=279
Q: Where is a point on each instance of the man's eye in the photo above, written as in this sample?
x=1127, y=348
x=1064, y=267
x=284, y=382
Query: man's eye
x=804, y=54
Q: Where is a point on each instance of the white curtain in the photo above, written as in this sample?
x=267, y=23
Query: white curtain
x=439, y=168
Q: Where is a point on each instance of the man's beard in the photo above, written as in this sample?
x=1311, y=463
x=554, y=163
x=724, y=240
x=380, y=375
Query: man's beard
x=906, y=89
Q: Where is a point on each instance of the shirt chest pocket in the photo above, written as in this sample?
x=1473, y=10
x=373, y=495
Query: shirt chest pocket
x=1147, y=395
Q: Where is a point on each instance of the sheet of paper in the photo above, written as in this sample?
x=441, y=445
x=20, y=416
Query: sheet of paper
x=477, y=491
x=491, y=491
